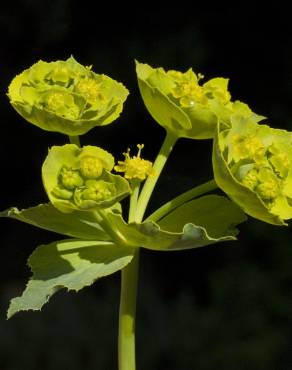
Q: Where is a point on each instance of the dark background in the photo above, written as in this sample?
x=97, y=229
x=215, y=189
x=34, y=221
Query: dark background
x=227, y=306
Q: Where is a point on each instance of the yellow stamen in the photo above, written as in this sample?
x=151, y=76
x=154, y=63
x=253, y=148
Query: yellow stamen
x=135, y=167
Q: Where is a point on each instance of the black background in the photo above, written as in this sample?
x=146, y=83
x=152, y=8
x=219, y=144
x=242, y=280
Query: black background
x=226, y=306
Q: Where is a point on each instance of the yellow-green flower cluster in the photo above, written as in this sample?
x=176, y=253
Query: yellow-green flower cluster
x=188, y=91
x=185, y=106
x=181, y=103
x=81, y=179
x=135, y=168
x=67, y=97
x=253, y=164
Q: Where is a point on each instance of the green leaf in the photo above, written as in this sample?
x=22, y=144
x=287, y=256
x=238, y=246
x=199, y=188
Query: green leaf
x=198, y=223
x=215, y=213
x=77, y=224
x=71, y=264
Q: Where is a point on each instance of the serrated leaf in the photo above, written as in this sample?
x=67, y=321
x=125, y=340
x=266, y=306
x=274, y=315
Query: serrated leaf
x=77, y=224
x=198, y=223
x=71, y=264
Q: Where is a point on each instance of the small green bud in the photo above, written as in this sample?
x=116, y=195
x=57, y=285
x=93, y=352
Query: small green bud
x=61, y=103
x=268, y=190
x=70, y=178
x=250, y=180
x=98, y=190
x=91, y=90
x=91, y=167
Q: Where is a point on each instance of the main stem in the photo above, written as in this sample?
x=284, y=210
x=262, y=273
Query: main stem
x=127, y=315
x=128, y=299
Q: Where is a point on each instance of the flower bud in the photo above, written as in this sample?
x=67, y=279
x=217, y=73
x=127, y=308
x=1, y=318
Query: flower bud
x=91, y=167
x=70, y=178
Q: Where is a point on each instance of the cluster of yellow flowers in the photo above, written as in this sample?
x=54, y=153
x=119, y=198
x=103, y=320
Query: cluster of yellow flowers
x=252, y=162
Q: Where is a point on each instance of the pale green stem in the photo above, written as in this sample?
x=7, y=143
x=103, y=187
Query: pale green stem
x=181, y=199
x=150, y=183
x=102, y=219
x=75, y=140
x=127, y=314
x=134, y=200
x=129, y=284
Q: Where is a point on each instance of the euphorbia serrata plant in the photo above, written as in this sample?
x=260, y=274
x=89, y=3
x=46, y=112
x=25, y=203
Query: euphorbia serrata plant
x=86, y=189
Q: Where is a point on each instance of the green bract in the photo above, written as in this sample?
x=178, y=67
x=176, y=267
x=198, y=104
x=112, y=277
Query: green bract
x=179, y=103
x=200, y=222
x=80, y=179
x=66, y=97
x=71, y=264
x=76, y=263
x=253, y=165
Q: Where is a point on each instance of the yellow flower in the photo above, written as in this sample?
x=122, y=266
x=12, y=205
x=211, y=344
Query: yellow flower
x=135, y=167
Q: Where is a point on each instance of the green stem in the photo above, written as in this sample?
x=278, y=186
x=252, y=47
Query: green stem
x=181, y=199
x=75, y=140
x=126, y=347
x=103, y=220
x=127, y=314
x=129, y=284
x=150, y=183
x=134, y=200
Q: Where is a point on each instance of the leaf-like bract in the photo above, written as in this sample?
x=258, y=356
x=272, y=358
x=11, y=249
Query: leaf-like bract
x=71, y=264
x=77, y=224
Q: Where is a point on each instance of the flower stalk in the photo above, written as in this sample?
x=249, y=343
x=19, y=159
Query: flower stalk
x=181, y=199
x=158, y=166
x=75, y=140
